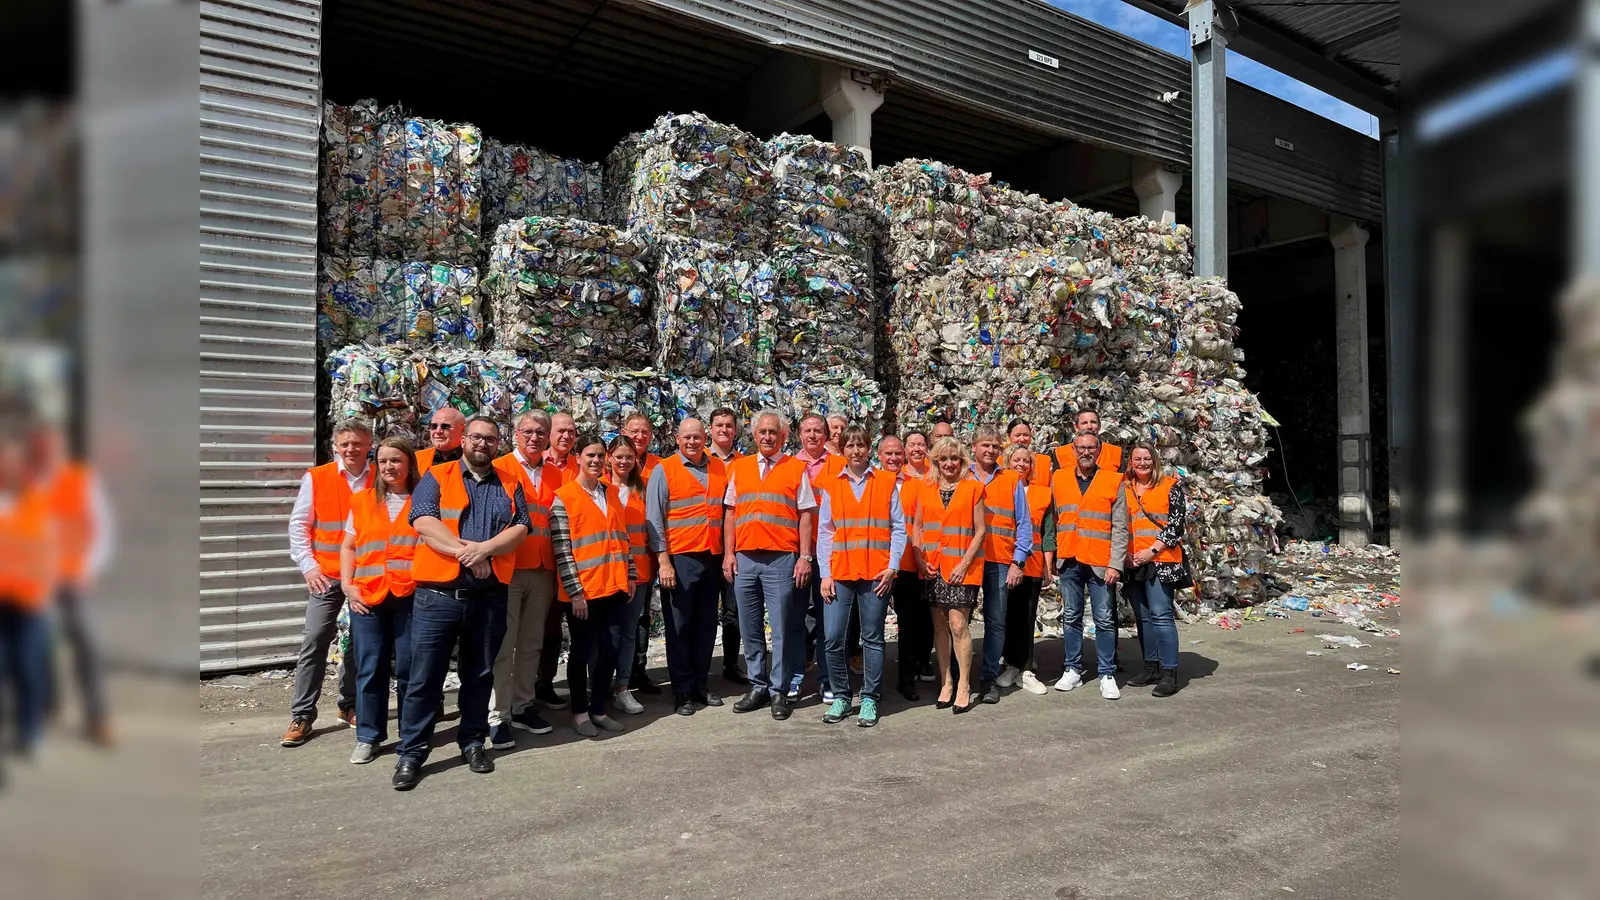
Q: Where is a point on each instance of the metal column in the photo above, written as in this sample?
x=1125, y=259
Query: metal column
x=1586, y=158
x=1208, y=37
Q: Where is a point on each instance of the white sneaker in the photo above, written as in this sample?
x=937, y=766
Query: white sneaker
x=1108, y=687
x=1007, y=676
x=1031, y=683
x=1069, y=680
x=622, y=699
x=363, y=753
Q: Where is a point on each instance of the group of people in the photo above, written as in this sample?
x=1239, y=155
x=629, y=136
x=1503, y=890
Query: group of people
x=458, y=547
x=55, y=538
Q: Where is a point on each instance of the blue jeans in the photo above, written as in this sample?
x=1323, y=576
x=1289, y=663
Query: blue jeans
x=1075, y=578
x=764, y=586
x=373, y=638
x=848, y=596
x=994, y=619
x=628, y=639
x=690, y=613
x=1158, y=632
x=25, y=661
x=438, y=623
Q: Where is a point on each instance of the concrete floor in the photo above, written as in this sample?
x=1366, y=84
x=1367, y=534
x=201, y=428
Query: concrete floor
x=1272, y=772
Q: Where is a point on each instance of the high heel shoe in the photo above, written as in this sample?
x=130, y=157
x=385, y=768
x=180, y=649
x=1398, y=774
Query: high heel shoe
x=944, y=704
x=961, y=709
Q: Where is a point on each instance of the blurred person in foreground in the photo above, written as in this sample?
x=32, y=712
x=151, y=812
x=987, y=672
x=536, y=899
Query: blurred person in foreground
x=30, y=547
x=622, y=473
x=861, y=537
x=471, y=518
x=1091, y=549
x=641, y=433
x=952, y=526
x=375, y=574
x=1022, y=604
x=316, y=535
x=684, y=507
x=724, y=436
x=1157, y=509
x=83, y=517
x=910, y=600
x=445, y=428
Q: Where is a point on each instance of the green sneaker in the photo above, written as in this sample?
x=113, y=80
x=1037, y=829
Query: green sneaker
x=869, y=713
x=837, y=712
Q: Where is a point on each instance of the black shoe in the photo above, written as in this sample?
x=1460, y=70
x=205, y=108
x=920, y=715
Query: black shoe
x=752, y=701
x=732, y=674
x=780, y=707
x=683, y=706
x=909, y=691
x=705, y=698
x=501, y=738
x=945, y=704
x=1167, y=685
x=547, y=697
x=531, y=722
x=478, y=760
x=964, y=709
x=406, y=775
x=926, y=673
x=1150, y=675
x=990, y=692
x=641, y=682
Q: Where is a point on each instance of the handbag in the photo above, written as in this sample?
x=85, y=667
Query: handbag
x=1147, y=571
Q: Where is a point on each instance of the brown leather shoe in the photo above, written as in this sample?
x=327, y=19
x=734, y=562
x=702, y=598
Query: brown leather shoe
x=348, y=717
x=99, y=734
x=299, y=732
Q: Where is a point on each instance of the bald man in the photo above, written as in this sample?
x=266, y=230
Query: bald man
x=943, y=430
x=445, y=428
x=683, y=520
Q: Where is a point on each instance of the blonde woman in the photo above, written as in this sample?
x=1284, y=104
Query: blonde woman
x=951, y=522
x=1022, y=603
x=1156, y=570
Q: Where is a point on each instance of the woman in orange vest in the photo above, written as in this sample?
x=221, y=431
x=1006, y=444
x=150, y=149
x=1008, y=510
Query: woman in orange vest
x=29, y=578
x=1157, y=509
x=951, y=523
x=917, y=455
x=594, y=561
x=622, y=473
x=1022, y=602
x=375, y=572
x=861, y=538
x=1020, y=433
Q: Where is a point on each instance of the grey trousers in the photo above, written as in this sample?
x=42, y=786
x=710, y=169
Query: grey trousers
x=322, y=625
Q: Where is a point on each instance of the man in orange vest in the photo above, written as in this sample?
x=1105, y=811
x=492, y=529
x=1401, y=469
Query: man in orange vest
x=1087, y=421
x=471, y=519
x=532, y=589
x=316, y=532
x=820, y=463
x=683, y=514
x=910, y=606
x=641, y=433
x=445, y=428
x=29, y=577
x=1005, y=552
x=563, y=434
x=724, y=435
x=1091, y=549
x=768, y=516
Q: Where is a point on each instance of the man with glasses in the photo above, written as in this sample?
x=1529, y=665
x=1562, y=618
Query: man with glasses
x=445, y=428
x=533, y=586
x=471, y=519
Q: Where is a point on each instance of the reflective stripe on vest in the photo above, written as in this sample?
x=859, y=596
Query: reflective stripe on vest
x=384, y=549
x=600, y=547
x=862, y=529
x=1038, y=505
x=1083, y=521
x=330, y=505
x=947, y=530
x=691, y=525
x=1144, y=530
x=1000, y=500
x=909, y=494
x=432, y=567
x=766, y=512
x=534, y=552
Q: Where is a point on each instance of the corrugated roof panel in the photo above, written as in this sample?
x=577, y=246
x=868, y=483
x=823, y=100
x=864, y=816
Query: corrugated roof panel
x=1329, y=166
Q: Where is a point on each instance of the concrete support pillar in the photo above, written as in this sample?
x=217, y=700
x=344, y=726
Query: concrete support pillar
x=1446, y=379
x=1208, y=36
x=1157, y=189
x=1399, y=307
x=849, y=99
x=1586, y=128
x=1354, y=391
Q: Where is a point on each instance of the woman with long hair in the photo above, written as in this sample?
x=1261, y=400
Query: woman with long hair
x=1157, y=509
x=375, y=571
x=622, y=473
x=950, y=521
x=594, y=561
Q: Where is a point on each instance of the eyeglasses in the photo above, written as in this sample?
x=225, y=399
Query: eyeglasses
x=528, y=432
x=438, y=426
x=483, y=439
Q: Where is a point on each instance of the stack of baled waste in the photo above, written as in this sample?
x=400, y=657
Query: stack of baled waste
x=692, y=177
x=569, y=291
x=932, y=213
x=383, y=302
x=825, y=316
x=398, y=186
x=861, y=400
x=521, y=181
x=822, y=197
x=714, y=310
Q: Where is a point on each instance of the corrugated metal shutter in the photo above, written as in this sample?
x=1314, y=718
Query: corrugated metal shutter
x=260, y=110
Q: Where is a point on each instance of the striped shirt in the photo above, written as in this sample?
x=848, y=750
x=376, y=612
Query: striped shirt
x=561, y=543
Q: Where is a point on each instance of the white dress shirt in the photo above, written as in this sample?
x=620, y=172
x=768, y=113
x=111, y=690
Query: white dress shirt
x=804, y=499
x=301, y=516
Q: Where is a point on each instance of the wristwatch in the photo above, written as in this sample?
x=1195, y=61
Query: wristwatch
x=809, y=559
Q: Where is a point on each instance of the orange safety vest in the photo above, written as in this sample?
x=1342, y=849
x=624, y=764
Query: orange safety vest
x=1145, y=525
x=1083, y=521
x=633, y=514
x=384, y=549
x=433, y=567
x=910, y=492
x=694, y=511
x=29, y=566
x=600, y=545
x=862, y=529
x=69, y=502
x=766, y=511
x=1000, y=501
x=910, y=471
x=330, y=506
x=647, y=466
x=425, y=459
x=1110, y=457
x=534, y=552
x=568, y=470
x=1041, y=470
x=947, y=530
x=1038, y=504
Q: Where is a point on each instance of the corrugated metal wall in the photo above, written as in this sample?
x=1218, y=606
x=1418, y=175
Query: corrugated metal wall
x=1331, y=167
x=260, y=110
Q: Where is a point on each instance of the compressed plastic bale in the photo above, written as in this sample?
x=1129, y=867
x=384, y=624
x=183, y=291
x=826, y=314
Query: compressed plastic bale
x=692, y=177
x=380, y=302
x=570, y=291
x=714, y=311
x=601, y=400
x=352, y=177
x=379, y=384
x=825, y=321
x=822, y=197
x=862, y=401
x=931, y=211
x=521, y=181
